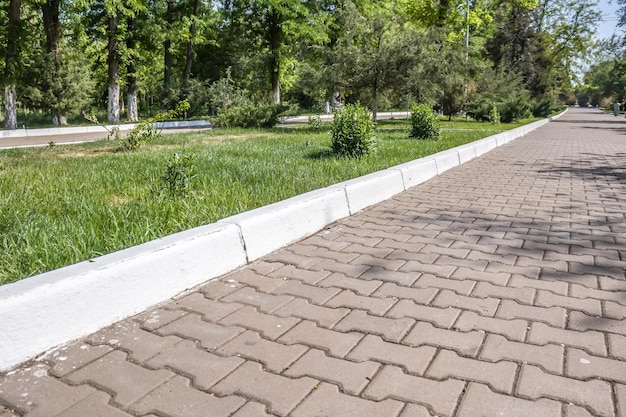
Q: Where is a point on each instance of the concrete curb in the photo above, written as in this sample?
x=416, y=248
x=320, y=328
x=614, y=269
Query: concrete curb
x=50, y=309
x=55, y=131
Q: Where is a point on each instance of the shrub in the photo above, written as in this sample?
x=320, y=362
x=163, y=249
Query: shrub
x=494, y=115
x=179, y=174
x=250, y=114
x=352, y=131
x=514, y=109
x=424, y=123
x=545, y=107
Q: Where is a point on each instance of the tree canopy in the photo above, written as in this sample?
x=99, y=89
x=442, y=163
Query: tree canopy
x=63, y=57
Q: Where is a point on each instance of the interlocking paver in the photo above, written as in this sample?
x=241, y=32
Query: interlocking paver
x=274, y=356
x=68, y=358
x=307, y=333
x=359, y=286
x=326, y=400
x=376, y=306
x=555, y=316
x=177, y=398
x=312, y=293
x=466, y=343
x=204, y=368
x=581, y=321
x=352, y=377
x=617, y=346
x=279, y=393
x=112, y=372
x=154, y=319
x=497, y=348
x=266, y=303
x=130, y=337
x=463, y=287
x=614, y=310
x=496, y=288
x=499, y=376
x=513, y=329
x=191, y=326
x=556, y=287
x=392, y=330
x=620, y=395
x=584, y=366
x=391, y=382
x=252, y=409
x=210, y=310
x=323, y=316
x=521, y=295
x=270, y=325
x=549, y=299
x=33, y=391
x=96, y=404
x=251, y=277
x=480, y=401
x=419, y=295
x=305, y=275
x=413, y=359
x=592, y=341
x=483, y=306
x=595, y=394
x=442, y=317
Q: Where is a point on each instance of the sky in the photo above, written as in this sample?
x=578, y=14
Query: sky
x=609, y=18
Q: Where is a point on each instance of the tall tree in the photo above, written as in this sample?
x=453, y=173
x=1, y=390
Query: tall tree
x=375, y=51
x=10, y=64
x=274, y=31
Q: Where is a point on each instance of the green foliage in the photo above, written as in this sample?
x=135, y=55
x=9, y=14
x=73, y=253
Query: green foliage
x=353, y=132
x=180, y=171
x=250, y=114
x=424, y=123
x=494, y=115
x=545, y=107
x=147, y=130
x=315, y=123
x=514, y=109
x=61, y=85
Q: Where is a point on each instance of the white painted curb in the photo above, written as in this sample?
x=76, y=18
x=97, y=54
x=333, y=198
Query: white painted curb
x=54, y=131
x=268, y=228
x=50, y=309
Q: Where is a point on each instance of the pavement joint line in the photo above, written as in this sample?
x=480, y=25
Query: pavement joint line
x=158, y=270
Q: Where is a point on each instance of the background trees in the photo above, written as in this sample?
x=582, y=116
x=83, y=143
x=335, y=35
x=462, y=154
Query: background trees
x=62, y=57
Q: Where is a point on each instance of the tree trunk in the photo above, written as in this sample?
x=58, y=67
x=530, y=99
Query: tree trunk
x=52, y=26
x=275, y=35
x=10, y=70
x=375, y=100
x=52, y=29
x=113, y=73
x=192, y=34
x=131, y=102
x=10, y=107
x=131, y=79
x=167, y=49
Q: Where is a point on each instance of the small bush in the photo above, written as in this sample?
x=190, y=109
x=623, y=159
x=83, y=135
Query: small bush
x=250, y=114
x=424, y=123
x=545, y=107
x=180, y=171
x=514, y=109
x=352, y=132
x=494, y=115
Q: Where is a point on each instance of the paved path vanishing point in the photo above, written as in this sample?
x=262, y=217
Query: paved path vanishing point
x=496, y=289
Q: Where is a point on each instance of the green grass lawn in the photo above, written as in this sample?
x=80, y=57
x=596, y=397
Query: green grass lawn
x=65, y=204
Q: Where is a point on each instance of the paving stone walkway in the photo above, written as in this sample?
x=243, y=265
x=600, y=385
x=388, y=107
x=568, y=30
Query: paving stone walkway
x=496, y=289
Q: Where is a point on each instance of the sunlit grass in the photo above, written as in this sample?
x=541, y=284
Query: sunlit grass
x=64, y=204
